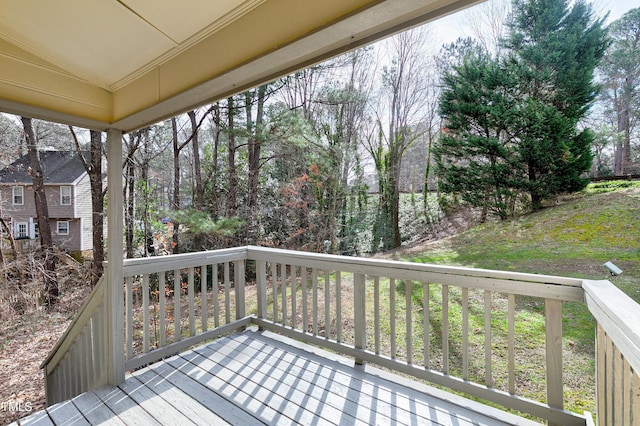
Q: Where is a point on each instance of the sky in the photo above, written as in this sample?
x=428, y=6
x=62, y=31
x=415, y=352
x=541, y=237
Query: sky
x=449, y=28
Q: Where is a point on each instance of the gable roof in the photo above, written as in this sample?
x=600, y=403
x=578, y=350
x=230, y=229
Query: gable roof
x=59, y=167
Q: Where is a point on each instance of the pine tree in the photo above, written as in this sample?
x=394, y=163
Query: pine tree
x=474, y=155
x=512, y=122
x=556, y=50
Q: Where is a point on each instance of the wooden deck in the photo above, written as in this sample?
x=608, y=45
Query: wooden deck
x=257, y=377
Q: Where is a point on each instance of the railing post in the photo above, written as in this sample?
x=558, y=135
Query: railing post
x=239, y=278
x=359, y=313
x=114, y=298
x=553, y=324
x=261, y=282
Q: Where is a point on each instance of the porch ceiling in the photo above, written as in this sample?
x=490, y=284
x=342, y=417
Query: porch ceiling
x=129, y=63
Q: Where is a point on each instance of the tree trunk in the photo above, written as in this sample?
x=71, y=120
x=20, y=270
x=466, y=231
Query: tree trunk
x=197, y=171
x=254, y=146
x=93, y=167
x=215, y=212
x=129, y=196
x=176, y=185
x=231, y=158
x=12, y=242
x=97, y=205
x=42, y=211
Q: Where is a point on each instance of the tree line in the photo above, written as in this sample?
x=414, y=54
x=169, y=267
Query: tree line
x=541, y=98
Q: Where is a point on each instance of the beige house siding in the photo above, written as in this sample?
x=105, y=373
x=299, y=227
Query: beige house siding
x=78, y=214
x=53, y=202
x=71, y=242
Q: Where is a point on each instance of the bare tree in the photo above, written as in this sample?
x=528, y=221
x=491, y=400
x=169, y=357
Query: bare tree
x=486, y=23
x=400, y=112
x=42, y=211
x=93, y=167
x=197, y=169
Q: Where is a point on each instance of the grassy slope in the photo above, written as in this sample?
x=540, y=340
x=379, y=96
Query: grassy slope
x=573, y=238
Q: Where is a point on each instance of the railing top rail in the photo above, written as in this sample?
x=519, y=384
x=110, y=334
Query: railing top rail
x=348, y=262
x=619, y=316
x=146, y=265
x=75, y=328
x=544, y=286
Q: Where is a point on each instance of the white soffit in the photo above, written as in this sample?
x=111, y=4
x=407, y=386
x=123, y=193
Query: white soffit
x=129, y=63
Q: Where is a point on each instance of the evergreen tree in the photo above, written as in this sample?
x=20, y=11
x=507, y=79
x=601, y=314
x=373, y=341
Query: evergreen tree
x=475, y=152
x=555, y=49
x=512, y=122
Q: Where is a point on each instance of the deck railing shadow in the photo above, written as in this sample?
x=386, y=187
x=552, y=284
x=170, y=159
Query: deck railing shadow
x=415, y=319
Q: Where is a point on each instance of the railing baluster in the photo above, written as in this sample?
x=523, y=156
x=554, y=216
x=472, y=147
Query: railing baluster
x=163, y=308
x=553, y=325
x=129, y=316
x=488, y=376
x=618, y=416
x=261, y=280
x=338, y=306
x=304, y=282
x=227, y=293
x=204, y=279
x=426, y=324
x=409, y=320
x=392, y=316
x=359, y=314
x=274, y=290
x=445, y=329
x=627, y=398
x=283, y=288
x=177, y=294
x=327, y=304
x=145, y=313
x=215, y=292
x=239, y=282
x=601, y=367
x=608, y=388
x=376, y=313
x=511, y=345
x=192, y=309
x=635, y=396
x=294, y=296
x=314, y=283
x=465, y=333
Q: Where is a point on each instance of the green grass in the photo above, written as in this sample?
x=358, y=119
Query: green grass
x=573, y=238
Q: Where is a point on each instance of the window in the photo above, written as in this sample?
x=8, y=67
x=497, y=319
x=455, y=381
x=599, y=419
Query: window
x=22, y=230
x=18, y=195
x=65, y=195
x=63, y=227
x=36, y=231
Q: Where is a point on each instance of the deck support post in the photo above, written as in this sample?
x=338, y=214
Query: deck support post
x=114, y=297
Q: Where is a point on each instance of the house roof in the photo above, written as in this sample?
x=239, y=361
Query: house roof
x=59, y=167
x=125, y=64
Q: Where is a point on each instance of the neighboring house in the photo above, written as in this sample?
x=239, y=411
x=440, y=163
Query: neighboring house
x=68, y=194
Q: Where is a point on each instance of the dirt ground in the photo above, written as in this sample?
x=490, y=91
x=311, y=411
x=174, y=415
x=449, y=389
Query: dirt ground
x=25, y=341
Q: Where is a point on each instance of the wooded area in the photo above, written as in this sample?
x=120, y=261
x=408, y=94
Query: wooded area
x=365, y=152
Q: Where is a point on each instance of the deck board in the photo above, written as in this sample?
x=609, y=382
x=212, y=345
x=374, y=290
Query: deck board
x=255, y=377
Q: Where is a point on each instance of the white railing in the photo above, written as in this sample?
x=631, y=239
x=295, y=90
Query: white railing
x=418, y=302
x=413, y=318
x=617, y=353
x=173, y=302
x=77, y=363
